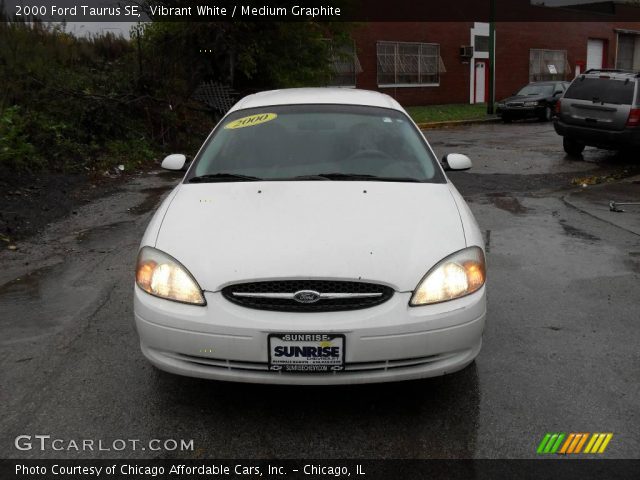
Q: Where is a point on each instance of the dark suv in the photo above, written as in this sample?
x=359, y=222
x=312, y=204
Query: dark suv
x=600, y=109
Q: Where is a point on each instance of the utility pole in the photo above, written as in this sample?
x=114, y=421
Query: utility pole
x=492, y=57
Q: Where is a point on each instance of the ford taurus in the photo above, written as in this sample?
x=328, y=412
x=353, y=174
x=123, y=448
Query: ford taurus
x=314, y=239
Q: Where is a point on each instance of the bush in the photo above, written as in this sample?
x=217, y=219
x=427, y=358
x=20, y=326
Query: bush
x=70, y=103
x=16, y=152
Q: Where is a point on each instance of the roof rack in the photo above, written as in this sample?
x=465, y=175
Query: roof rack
x=612, y=70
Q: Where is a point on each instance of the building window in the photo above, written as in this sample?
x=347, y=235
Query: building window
x=408, y=64
x=628, y=57
x=481, y=43
x=344, y=64
x=547, y=65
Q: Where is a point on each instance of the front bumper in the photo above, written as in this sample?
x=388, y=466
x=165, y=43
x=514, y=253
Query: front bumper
x=520, y=112
x=597, y=137
x=389, y=342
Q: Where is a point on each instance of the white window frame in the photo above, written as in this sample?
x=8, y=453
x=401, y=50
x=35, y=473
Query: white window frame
x=396, y=54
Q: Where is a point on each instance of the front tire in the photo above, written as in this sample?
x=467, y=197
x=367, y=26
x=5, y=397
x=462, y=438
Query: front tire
x=546, y=115
x=573, y=147
x=506, y=119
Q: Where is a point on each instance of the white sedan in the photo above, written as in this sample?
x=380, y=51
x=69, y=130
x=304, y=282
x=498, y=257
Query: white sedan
x=315, y=239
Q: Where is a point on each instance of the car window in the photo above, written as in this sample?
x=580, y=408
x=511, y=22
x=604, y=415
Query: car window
x=545, y=89
x=605, y=90
x=282, y=142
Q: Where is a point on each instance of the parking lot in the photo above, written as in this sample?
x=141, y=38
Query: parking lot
x=560, y=351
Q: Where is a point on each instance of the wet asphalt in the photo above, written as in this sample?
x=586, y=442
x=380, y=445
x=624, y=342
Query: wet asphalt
x=560, y=351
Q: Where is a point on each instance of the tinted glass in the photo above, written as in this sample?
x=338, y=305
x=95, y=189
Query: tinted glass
x=481, y=43
x=544, y=89
x=284, y=142
x=602, y=90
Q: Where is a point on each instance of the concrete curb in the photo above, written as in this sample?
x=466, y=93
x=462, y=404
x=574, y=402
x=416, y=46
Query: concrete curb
x=594, y=202
x=456, y=123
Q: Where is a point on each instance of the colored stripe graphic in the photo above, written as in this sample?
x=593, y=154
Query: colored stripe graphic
x=598, y=443
x=550, y=443
x=543, y=443
x=573, y=443
x=581, y=443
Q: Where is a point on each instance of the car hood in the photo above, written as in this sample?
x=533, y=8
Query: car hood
x=384, y=232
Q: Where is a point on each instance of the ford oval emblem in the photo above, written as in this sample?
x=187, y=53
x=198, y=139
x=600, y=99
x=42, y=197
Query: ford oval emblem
x=306, y=296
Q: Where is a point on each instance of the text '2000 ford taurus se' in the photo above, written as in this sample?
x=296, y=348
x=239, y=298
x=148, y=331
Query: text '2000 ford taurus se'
x=315, y=239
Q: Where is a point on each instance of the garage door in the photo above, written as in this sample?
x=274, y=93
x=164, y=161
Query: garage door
x=595, y=53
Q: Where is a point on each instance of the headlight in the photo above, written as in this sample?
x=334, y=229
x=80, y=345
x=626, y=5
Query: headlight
x=531, y=104
x=457, y=275
x=500, y=104
x=161, y=275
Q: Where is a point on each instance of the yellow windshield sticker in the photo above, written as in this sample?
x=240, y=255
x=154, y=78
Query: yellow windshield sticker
x=251, y=120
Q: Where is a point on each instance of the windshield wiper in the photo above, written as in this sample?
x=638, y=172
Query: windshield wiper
x=356, y=177
x=223, y=177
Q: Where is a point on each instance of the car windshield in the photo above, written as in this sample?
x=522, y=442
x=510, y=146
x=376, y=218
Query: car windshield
x=545, y=89
x=603, y=90
x=316, y=142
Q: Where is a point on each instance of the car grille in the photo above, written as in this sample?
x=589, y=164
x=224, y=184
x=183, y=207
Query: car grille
x=307, y=295
x=380, y=366
x=515, y=104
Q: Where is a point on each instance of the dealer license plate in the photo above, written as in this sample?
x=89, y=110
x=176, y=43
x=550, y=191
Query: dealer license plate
x=306, y=352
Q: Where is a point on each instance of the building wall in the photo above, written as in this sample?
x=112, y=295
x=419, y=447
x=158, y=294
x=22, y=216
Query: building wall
x=514, y=40
x=454, y=84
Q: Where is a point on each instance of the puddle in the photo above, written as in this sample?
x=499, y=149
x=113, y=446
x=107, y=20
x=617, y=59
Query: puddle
x=633, y=264
x=17, y=299
x=39, y=303
x=509, y=204
x=24, y=287
x=152, y=199
x=572, y=231
x=91, y=233
x=460, y=143
x=487, y=241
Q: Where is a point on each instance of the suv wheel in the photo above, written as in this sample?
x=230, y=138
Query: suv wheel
x=572, y=147
x=506, y=118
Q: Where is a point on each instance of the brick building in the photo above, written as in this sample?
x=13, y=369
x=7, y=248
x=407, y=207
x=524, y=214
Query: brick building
x=422, y=63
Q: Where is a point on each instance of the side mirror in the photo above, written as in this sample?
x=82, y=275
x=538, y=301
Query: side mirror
x=456, y=161
x=174, y=162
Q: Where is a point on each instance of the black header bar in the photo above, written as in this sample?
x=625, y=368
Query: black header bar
x=318, y=10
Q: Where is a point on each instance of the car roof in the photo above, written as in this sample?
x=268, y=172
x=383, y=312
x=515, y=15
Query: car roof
x=611, y=72
x=301, y=96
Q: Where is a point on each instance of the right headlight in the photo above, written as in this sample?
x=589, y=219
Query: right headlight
x=459, y=274
x=163, y=276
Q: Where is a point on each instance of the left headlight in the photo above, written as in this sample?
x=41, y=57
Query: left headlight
x=459, y=274
x=161, y=275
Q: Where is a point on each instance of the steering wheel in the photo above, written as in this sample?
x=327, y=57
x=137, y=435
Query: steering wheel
x=368, y=153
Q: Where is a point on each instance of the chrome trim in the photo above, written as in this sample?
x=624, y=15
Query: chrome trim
x=290, y=296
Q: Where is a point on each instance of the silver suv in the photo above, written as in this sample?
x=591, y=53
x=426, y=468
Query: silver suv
x=601, y=109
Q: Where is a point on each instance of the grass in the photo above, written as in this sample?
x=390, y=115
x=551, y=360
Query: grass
x=444, y=113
